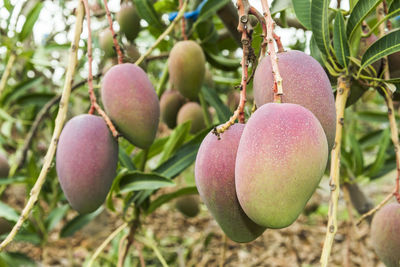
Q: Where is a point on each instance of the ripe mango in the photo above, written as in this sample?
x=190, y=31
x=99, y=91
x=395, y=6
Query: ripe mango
x=132, y=104
x=304, y=83
x=385, y=234
x=129, y=21
x=215, y=181
x=192, y=111
x=187, y=68
x=280, y=161
x=170, y=103
x=86, y=161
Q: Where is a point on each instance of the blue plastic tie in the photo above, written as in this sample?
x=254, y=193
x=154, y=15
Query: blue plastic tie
x=193, y=15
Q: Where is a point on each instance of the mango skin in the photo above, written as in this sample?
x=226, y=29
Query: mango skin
x=132, y=104
x=188, y=205
x=170, y=103
x=192, y=111
x=4, y=166
x=187, y=68
x=385, y=234
x=304, y=83
x=129, y=21
x=215, y=181
x=280, y=161
x=107, y=43
x=86, y=162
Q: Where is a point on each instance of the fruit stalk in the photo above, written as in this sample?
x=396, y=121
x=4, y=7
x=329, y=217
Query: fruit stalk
x=116, y=45
x=6, y=72
x=343, y=89
x=261, y=20
x=269, y=38
x=60, y=119
x=183, y=24
x=165, y=33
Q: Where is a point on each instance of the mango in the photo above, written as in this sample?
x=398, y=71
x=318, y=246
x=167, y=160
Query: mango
x=186, y=65
x=132, y=104
x=5, y=226
x=107, y=43
x=304, y=82
x=385, y=234
x=188, y=205
x=170, y=103
x=193, y=112
x=129, y=21
x=86, y=162
x=215, y=181
x=280, y=161
x=4, y=166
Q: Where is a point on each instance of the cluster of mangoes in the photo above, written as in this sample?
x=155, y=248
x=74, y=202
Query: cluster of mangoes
x=261, y=174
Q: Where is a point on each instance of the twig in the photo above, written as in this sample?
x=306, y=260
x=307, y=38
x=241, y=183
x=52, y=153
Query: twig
x=160, y=56
x=278, y=91
x=165, y=33
x=343, y=89
x=380, y=205
x=7, y=72
x=39, y=118
x=133, y=229
x=62, y=113
x=139, y=250
x=105, y=243
x=183, y=23
x=243, y=11
x=116, y=45
x=150, y=243
x=163, y=81
x=94, y=106
x=223, y=251
x=122, y=250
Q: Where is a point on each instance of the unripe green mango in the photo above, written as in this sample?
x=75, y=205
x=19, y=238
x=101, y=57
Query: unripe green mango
x=86, y=161
x=280, y=161
x=132, y=104
x=129, y=21
x=385, y=234
x=192, y=111
x=188, y=205
x=187, y=68
x=170, y=103
x=215, y=181
x=304, y=83
x=107, y=43
x=4, y=166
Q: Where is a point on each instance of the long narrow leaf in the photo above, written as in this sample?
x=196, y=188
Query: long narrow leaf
x=320, y=24
x=358, y=14
x=302, y=9
x=340, y=43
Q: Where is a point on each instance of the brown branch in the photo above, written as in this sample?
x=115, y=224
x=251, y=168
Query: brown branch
x=131, y=237
x=114, y=35
x=183, y=24
x=261, y=20
x=278, y=91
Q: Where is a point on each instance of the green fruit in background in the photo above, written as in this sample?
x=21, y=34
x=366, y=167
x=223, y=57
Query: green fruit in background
x=4, y=166
x=215, y=181
x=107, y=43
x=132, y=104
x=304, y=83
x=188, y=205
x=192, y=111
x=208, y=79
x=170, y=103
x=280, y=161
x=187, y=68
x=394, y=65
x=385, y=234
x=132, y=53
x=5, y=226
x=86, y=162
x=129, y=21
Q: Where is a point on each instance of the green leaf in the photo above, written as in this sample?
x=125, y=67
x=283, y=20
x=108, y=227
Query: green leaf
x=175, y=140
x=357, y=154
x=340, y=43
x=371, y=139
x=135, y=181
x=147, y=12
x=302, y=9
x=13, y=180
x=358, y=14
x=394, y=8
x=320, y=24
x=56, y=216
x=78, y=223
x=20, y=89
x=30, y=21
x=373, y=116
x=168, y=197
x=213, y=100
x=209, y=9
x=8, y=5
x=388, y=44
x=17, y=259
x=221, y=62
x=39, y=99
x=8, y=213
x=125, y=160
x=155, y=149
x=280, y=5
x=380, y=156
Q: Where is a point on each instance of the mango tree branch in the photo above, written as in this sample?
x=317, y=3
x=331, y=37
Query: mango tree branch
x=114, y=35
x=183, y=24
x=343, y=89
x=278, y=90
x=164, y=34
x=7, y=72
x=61, y=116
